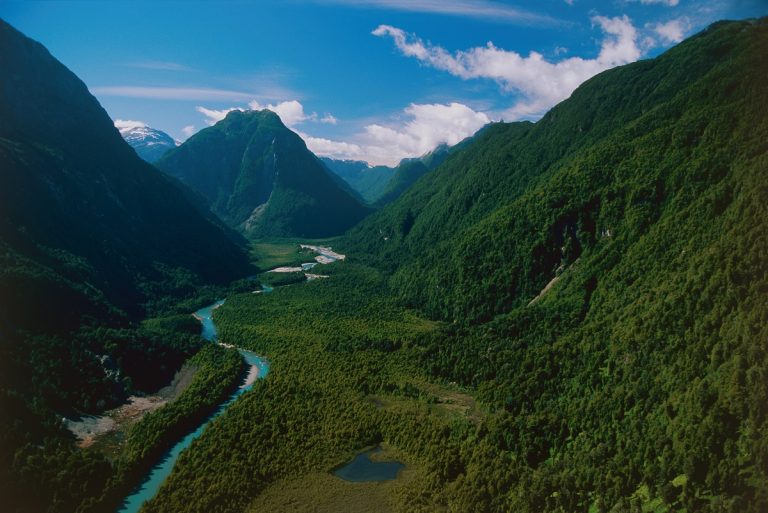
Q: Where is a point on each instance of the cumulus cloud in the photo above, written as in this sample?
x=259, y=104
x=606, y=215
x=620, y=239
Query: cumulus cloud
x=127, y=124
x=428, y=126
x=330, y=148
x=188, y=130
x=291, y=113
x=673, y=31
x=213, y=116
x=328, y=119
x=539, y=82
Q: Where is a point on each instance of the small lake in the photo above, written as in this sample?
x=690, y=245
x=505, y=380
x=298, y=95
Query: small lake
x=362, y=468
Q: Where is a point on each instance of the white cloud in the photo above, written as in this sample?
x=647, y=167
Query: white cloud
x=673, y=31
x=483, y=9
x=127, y=124
x=329, y=148
x=188, y=130
x=328, y=119
x=539, y=82
x=428, y=126
x=291, y=112
x=213, y=116
x=172, y=93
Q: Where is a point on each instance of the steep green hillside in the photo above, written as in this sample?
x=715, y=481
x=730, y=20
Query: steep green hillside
x=91, y=239
x=77, y=199
x=493, y=225
x=260, y=177
x=605, y=273
x=409, y=171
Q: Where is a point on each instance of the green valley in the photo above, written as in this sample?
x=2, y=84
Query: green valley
x=567, y=315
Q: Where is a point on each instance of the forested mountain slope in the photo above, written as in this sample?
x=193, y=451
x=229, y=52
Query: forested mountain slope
x=379, y=185
x=409, y=171
x=77, y=199
x=91, y=239
x=491, y=226
x=260, y=177
x=605, y=274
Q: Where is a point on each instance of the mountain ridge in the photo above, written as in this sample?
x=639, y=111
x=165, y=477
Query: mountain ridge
x=150, y=143
x=260, y=177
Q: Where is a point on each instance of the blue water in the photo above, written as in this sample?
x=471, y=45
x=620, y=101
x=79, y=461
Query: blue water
x=151, y=484
x=205, y=316
x=362, y=469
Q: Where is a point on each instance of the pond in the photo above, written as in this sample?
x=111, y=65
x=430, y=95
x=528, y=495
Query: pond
x=362, y=468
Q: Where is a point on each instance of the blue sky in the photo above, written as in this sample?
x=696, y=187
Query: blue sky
x=376, y=80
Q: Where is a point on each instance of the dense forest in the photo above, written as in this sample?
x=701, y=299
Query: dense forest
x=562, y=316
x=603, y=277
x=92, y=241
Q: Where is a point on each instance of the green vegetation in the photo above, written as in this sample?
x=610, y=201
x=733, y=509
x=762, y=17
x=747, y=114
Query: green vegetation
x=92, y=239
x=219, y=371
x=324, y=493
x=409, y=171
x=260, y=177
x=380, y=185
x=335, y=347
x=268, y=255
x=645, y=195
x=216, y=378
x=598, y=289
x=636, y=382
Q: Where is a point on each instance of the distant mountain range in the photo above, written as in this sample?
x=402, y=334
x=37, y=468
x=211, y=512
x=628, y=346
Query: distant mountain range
x=368, y=181
x=259, y=177
x=379, y=185
x=149, y=143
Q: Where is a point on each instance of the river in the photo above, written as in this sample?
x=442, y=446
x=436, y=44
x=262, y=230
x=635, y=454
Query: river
x=152, y=482
x=258, y=370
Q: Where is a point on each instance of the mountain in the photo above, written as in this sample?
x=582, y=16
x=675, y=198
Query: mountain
x=369, y=181
x=501, y=178
x=379, y=185
x=91, y=238
x=604, y=276
x=149, y=143
x=410, y=170
x=71, y=184
x=259, y=177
